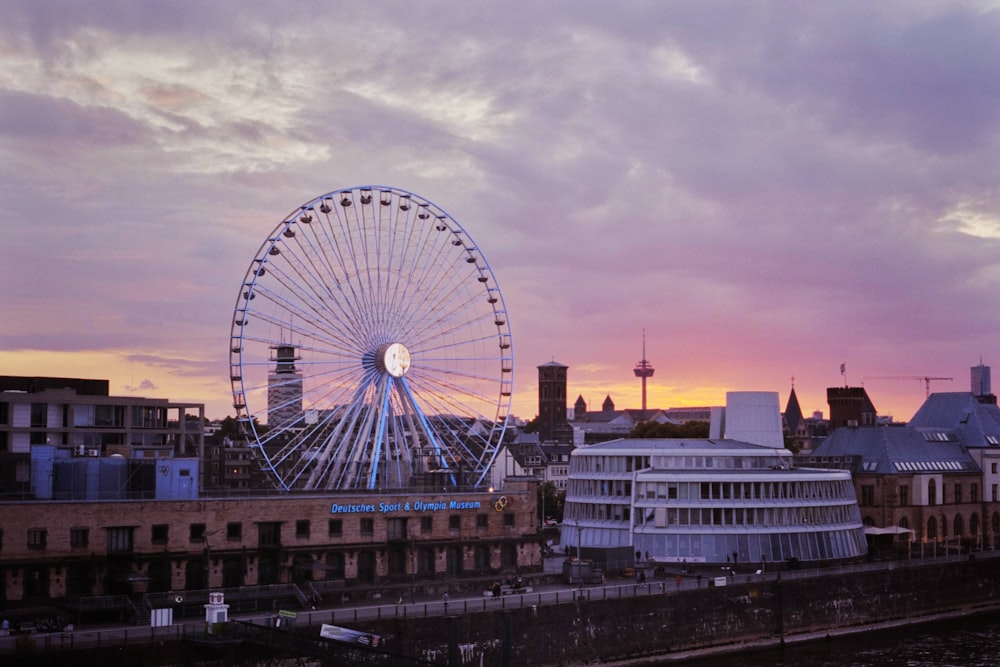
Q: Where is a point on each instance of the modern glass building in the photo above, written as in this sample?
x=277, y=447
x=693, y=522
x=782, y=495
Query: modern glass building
x=707, y=501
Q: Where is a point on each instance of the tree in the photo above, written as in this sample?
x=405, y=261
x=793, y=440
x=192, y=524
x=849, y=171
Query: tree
x=653, y=429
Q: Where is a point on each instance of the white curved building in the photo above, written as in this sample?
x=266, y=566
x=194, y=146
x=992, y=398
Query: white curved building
x=709, y=501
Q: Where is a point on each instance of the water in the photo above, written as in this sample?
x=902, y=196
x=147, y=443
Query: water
x=972, y=642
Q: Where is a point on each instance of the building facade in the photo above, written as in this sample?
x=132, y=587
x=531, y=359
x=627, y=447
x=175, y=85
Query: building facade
x=712, y=500
x=72, y=418
x=552, y=424
x=934, y=482
x=51, y=551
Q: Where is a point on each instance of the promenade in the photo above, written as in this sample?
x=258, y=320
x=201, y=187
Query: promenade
x=458, y=603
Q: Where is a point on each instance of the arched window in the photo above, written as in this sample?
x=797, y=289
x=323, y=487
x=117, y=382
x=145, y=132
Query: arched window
x=931, y=492
x=974, y=525
x=959, y=526
x=932, y=532
x=995, y=523
x=868, y=521
x=904, y=522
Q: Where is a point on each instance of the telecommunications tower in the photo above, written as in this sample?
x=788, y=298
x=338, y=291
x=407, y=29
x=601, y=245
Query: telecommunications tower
x=643, y=370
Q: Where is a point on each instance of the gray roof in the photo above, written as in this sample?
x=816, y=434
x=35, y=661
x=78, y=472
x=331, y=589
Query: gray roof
x=892, y=450
x=977, y=424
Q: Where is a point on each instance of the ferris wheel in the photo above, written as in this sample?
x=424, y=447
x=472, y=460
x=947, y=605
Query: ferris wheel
x=370, y=347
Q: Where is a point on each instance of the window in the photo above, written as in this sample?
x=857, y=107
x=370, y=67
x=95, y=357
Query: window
x=958, y=493
x=993, y=468
x=368, y=526
x=234, y=530
x=160, y=533
x=454, y=522
x=302, y=528
x=36, y=538
x=904, y=495
x=508, y=519
x=867, y=495
x=426, y=524
x=79, y=537
x=974, y=493
x=931, y=492
x=335, y=528
x=39, y=414
x=482, y=521
x=395, y=529
x=120, y=540
x=269, y=534
x=197, y=532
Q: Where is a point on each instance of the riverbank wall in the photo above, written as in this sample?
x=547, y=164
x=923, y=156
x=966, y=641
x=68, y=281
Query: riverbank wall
x=625, y=624
x=664, y=623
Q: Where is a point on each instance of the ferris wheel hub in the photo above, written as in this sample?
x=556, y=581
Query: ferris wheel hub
x=394, y=359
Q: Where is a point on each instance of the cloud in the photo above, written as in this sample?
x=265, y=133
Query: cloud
x=145, y=385
x=768, y=189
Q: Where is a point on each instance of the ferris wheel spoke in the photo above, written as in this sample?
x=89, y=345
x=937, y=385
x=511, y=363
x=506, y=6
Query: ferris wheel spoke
x=332, y=444
x=312, y=294
x=353, y=260
x=334, y=338
x=313, y=304
x=453, y=414
x=437, y=444
x=328, y=264
x=450, y=322
x=417, y=279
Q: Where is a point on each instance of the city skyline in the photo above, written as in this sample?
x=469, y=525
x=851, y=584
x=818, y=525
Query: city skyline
x=768, y=190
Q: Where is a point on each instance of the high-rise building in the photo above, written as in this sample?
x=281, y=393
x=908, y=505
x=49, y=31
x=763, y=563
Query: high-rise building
x=980, y=376
x=284, y=387
x=552, y=424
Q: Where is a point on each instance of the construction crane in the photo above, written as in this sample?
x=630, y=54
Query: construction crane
x=926, y=379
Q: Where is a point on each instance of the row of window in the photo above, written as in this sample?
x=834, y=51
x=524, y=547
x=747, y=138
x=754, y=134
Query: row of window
x=811, y=490
x=868, y=498
x=120, y=539
x=625, y=464
x=60, y=415
x=665, y=517
x=752, y=547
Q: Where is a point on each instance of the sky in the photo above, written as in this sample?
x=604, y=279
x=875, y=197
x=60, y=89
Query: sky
x=768, y=190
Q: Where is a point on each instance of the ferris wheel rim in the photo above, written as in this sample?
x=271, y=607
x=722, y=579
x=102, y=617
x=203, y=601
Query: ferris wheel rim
x=407, y=394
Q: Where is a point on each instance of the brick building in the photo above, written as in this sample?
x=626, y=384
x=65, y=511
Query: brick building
x=60, y=551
